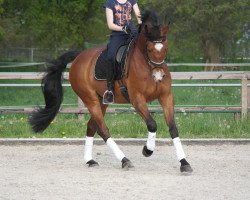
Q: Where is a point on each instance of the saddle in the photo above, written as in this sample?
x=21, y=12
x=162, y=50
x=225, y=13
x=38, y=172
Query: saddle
x=120, y=62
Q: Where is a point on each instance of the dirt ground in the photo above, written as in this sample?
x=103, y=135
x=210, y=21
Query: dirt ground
x=58, y=172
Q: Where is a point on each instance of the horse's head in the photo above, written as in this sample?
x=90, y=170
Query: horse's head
x=155, y=43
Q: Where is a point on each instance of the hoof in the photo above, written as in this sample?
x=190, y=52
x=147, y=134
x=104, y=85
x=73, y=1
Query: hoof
x=126, y=163
x=92, y=163
x=186, y=169
x=146, y=152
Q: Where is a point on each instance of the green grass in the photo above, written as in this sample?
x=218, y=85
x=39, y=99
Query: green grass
x=28, y=96
x=206, y=125
x=130, y=126
x=183, y=95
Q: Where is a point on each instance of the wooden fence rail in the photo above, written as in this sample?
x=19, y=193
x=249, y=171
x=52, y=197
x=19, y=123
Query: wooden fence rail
x=244, y=76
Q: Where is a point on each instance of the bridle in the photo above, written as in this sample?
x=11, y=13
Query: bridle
x=152, y=63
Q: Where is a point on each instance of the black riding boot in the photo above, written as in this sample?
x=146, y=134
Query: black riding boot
x=108, y=96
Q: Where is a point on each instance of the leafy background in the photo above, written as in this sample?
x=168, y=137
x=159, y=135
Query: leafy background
x=200, y=30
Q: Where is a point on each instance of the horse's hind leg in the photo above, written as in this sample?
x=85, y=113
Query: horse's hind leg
x=167, y=103
x=91, y=130
x=97, y=124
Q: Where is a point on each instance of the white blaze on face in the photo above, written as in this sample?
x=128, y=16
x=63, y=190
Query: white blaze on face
x=158, y=46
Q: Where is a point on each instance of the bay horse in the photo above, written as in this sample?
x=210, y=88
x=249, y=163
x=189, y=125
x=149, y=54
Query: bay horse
x=148, y=79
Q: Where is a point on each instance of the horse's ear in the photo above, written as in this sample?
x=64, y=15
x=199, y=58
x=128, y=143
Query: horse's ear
x=164, y=30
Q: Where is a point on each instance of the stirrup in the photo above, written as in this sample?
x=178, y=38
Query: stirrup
x=108, y=97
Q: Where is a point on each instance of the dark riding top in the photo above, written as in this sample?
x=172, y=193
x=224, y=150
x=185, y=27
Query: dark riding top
x=122, y=14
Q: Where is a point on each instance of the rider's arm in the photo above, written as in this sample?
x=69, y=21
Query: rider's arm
x=110, y=19
x=137, y=13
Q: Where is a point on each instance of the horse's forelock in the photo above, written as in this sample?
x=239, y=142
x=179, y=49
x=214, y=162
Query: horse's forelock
x=150, y=16
x=150, y=21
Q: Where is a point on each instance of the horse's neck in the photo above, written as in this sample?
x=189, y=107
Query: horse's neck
x=141, y=46
x=141, y=43
x=139, y=57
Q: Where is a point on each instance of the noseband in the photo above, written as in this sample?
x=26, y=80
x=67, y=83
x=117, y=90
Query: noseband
x=155, y=64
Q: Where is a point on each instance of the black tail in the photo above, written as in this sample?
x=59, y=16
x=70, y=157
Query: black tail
x=52, y=92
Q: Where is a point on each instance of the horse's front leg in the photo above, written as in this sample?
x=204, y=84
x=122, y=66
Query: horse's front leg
x=142, y=109
x=167, y=102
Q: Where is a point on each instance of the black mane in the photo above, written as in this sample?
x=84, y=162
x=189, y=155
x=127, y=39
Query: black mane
x=150, y=21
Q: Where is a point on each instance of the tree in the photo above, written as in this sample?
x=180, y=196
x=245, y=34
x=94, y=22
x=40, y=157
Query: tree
x=1, y=11
x=62, y=23
x=54, y=24
x=210, y=24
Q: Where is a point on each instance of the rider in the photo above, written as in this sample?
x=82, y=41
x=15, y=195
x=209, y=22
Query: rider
x=119, y=20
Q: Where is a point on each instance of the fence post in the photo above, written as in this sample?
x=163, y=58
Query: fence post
x=31, y=54
x=248, y=95
x=80, y=107
x=244, y=97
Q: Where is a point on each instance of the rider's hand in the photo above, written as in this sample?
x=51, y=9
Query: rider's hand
x=126, y=29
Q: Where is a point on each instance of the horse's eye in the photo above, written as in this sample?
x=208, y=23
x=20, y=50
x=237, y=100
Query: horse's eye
x=150, y=47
